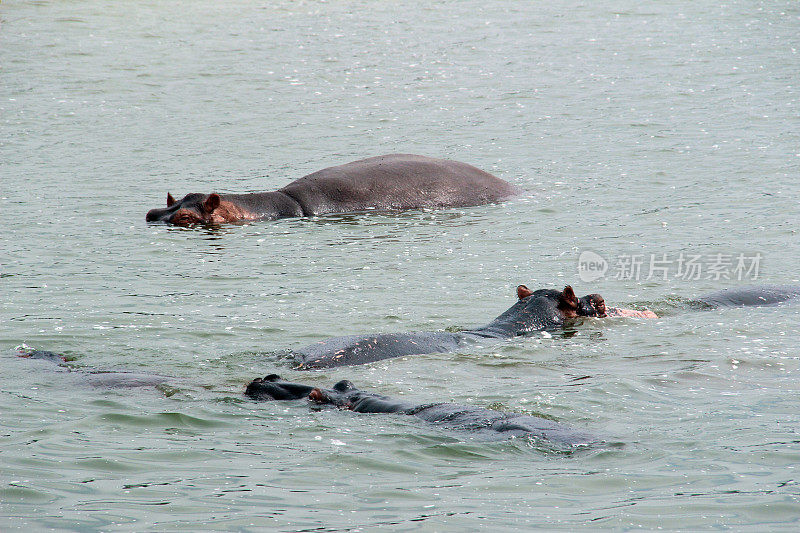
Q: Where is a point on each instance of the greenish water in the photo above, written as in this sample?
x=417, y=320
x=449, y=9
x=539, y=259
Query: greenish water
x=636, y=129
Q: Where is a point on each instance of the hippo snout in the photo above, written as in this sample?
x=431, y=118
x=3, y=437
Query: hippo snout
x=155, y=215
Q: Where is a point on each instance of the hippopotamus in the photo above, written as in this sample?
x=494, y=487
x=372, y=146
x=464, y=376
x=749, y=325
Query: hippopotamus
x=759, y=296
x=544, y=309
x=46, y=355
x=386, y=183
x=534, y=311
x=486, y=423
x=110, y=379
x=750, y=296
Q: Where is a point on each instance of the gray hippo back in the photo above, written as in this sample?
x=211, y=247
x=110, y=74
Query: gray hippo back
x=761, y=295
x=396, y=182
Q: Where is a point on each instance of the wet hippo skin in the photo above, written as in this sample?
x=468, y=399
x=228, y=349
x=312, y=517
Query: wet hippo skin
x=749, y=296
x=107, y=379
x=534, y=311
x=758, y=295
x=487, y=423
x=385, y=183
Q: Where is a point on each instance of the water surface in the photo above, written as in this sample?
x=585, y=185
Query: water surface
x=634, y=128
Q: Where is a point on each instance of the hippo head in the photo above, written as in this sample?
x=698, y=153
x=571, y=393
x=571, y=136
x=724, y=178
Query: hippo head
x=272, y=387
x=195, y=208
x=54, y=357
x=569, y=305
x=592, y=305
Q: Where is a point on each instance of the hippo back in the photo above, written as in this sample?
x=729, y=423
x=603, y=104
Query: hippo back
x=751, y=296
x=361, y=349
x=492, y=425
x=396, y=182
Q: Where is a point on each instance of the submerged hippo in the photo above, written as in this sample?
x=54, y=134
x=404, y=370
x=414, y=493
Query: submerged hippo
x=109, y=379
x=759, y=295
x=751, y=296
x=486, y=422
x=388, y=183
x=539, y=310
x=534, y=311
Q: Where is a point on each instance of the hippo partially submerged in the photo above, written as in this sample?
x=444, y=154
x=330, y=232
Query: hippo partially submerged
x=486, y=423
x=544, y=309
x=758, y=296
x=108, y=379
x=385, y=183
x=534, y=311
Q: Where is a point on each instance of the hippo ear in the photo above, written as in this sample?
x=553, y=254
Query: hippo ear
x=568, y=298
x=211, y=203
x=344, y=386
x=523, y=292
x=170, y=200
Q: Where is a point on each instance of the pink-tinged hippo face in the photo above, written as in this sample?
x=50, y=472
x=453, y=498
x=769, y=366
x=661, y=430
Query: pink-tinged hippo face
x=614, y=312
x=198, y=208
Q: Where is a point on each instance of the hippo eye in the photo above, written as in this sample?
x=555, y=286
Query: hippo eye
x=184, y=218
